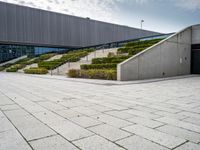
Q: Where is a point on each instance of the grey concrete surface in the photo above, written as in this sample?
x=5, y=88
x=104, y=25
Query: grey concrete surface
x=195, y=34
x=54, y=113
x=170, y=57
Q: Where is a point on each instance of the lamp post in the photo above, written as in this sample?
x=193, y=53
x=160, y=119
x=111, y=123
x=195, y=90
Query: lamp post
x=142, y=21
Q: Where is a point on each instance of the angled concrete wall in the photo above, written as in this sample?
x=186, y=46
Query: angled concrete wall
x=196, y=34
x=170, y=57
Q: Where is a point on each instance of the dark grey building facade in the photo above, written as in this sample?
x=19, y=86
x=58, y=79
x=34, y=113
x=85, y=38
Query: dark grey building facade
x=40, y=29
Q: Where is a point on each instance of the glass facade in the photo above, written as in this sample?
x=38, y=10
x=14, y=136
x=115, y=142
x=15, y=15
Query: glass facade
x=8, y=52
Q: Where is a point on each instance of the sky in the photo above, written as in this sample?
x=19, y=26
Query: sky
x=163, y=16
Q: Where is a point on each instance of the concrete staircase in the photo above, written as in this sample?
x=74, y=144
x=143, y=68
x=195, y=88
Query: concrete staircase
x=62, y=70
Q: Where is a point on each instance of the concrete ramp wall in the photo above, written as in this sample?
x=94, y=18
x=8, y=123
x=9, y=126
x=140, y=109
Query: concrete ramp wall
x=13, y=60
x=170, y=57
x=196, y=34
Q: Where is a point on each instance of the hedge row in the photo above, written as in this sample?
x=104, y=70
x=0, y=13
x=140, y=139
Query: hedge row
x=2, y=68
x=135, y=51
x=35, y=70
x=152, y=42
x=41, y=58
x=15, y=68
x=82, y=50
x=94, y=74
x=11, y=70
x=137, y=46
x=99, y=66
x=20, y=64
x=109, y=60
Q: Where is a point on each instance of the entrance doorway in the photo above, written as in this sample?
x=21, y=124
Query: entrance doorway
x=195, y=59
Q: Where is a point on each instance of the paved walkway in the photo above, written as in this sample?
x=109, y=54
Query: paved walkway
x=47, y=113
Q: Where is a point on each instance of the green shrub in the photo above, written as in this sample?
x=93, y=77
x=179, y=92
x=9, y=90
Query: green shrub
x=111, y=54
x=82, y=50
x=35, y=70
x=2, y=68
x=50, y=65
x=99, y=66
x=132, y=47
x=94, y=74
x=145, y=42
x=15, y=68
x=19, y=66
x=73, y=73
x=45, y=56
x=23, y=61
x=109, y=60
x=39, y=59
x=135, y=51
x=11, y=69
x=117, y=61
x=123, y=50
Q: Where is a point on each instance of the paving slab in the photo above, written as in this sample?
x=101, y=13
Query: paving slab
x=156, y=136
x=180, y=132
x=52, y=106
x=70, y=130
x=192, y=120
x=145, y=122
x=181, y=124
x=52, y=143
x=16, y=113
x=85, y=111
x=31, y=128
x=68, y=113
x=12, y=140
x=5, y=100
x=189, y=146
x=142, y=114
x=109, y=132
x=138, y=143
x=9, y=107
x=96, y=142
x=48, y=117
x=5, y=125
x=113, y=121
x=85, y=121
x=119, y=114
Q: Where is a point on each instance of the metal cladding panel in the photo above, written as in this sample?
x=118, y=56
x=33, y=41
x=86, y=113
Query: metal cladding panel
x=25, y=25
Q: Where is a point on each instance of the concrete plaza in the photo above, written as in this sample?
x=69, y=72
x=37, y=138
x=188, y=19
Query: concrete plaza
x=57, y=113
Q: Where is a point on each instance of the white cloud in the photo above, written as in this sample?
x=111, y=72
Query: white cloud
x=104, y=10
x=188, y=4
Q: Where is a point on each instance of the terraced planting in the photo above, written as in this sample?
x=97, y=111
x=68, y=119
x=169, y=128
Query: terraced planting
x=43, y=64
x=27, y=61
x=72, y=56
x=105, y=68
x=132, y=48
x=24, y=62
